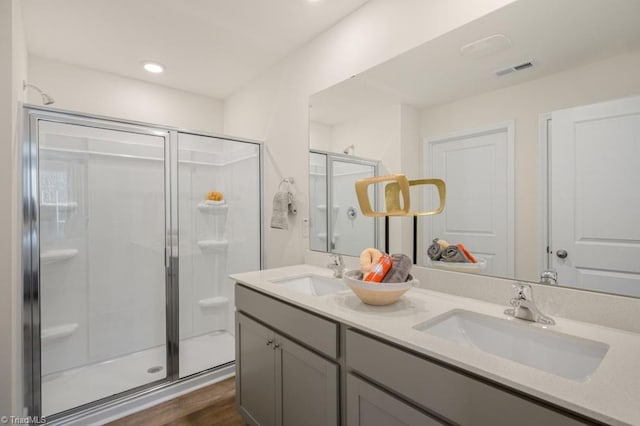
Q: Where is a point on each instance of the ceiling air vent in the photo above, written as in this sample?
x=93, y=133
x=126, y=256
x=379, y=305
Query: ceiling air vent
x=513, y=68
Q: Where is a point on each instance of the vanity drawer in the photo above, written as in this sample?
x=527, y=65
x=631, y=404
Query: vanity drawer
x=318, y=333
x=450, y=395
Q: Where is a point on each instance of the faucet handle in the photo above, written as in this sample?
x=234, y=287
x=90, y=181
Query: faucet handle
x=337, y=259
x=522, y=291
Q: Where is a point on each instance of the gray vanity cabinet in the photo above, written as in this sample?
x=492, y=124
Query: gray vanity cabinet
x=278, y=380
x=255, y=375
x=367, y=405
x=308, y=386
x=450, y=395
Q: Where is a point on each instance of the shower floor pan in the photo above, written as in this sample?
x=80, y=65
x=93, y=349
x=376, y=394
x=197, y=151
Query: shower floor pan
x=72, y=388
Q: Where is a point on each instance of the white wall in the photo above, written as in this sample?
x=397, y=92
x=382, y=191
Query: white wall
x=375, y=136
x=12, y=71
x=83, y=89
x=274, y=108
x=320, y=136
x=609, y=79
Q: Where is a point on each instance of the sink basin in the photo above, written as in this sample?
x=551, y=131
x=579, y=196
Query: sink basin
x=567, y=356
x=311, y=284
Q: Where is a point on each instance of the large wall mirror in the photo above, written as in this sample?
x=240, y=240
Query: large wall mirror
x=531, y=115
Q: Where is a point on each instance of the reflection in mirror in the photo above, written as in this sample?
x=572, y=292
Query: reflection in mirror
x=332, y=180
x=497, y=134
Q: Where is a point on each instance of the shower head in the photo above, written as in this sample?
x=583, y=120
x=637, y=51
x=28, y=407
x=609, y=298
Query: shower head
x=350, y=147
x=46, y=99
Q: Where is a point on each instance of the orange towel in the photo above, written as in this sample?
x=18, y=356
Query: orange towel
x=215, y=196
x=466, y=253
x=380, y=269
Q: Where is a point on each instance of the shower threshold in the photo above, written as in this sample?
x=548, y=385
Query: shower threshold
x=68, y=389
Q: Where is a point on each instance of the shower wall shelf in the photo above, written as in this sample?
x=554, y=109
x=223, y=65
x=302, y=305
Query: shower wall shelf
x=323, y=237
x=212, y=208
x=52, y=256
x=51, y=334
x=213, y=246
x=213, y=302
x=61, y=207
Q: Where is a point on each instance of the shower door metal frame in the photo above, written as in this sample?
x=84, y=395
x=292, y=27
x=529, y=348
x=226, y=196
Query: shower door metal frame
x=31, y=324
x=31, y=290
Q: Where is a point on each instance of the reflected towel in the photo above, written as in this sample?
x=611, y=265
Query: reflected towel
x=435, y=250
x=453, y=254
x=400, y=269
x=280, y=209
x=293, y=209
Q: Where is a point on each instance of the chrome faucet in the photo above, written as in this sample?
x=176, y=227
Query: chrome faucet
x=549, y=277
x=524, y=307
x=337, y=265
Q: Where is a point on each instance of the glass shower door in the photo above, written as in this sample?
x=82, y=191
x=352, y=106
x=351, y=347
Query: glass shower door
x=102, y=262
x=219, y=234
x=350, y=230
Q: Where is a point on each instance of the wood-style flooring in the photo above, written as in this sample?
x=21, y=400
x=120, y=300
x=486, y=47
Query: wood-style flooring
x=209, y=406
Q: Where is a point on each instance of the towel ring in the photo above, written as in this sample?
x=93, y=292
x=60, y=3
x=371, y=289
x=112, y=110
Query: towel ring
x=288, y=182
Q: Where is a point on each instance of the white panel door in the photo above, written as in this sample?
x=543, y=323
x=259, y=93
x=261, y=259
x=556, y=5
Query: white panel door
x=478, y=169
x=595, y=199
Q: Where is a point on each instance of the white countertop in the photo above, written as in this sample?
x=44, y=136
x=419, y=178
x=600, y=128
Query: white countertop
x=612, y=395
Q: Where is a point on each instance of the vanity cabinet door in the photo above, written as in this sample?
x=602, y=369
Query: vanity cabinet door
x=255, y=376
x=308, y=386
x=369, y=406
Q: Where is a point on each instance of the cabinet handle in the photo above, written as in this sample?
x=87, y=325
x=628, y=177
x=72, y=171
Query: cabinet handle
x=269, y=342
x=276, y=346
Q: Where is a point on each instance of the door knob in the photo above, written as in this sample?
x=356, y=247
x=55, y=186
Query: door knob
x=276, y=346
x=562, y=254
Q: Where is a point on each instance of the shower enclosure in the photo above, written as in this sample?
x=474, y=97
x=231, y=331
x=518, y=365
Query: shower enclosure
x=126, y=260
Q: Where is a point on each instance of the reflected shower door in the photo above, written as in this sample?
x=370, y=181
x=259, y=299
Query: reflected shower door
x=219, y=235
x=318, y=202
x=102, y=262
x=350, y=230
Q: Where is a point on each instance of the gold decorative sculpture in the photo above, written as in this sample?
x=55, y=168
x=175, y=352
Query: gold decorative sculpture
x=399, y=185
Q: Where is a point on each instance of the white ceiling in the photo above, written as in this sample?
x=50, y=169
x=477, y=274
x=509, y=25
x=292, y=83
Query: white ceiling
x=554, y=35
x=211, y=47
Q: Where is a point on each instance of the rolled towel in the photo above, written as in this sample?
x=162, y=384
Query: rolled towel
x=400, y=269
x=435, y=250
x=453, y=254
x=368, y=258
x=280, y=209
x=442, y=243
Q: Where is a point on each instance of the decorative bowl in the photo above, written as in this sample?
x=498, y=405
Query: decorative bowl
x=378, y=294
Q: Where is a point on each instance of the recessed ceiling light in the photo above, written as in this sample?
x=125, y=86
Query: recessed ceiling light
x=153, y=67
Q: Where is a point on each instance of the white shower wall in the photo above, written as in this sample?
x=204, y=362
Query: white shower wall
x=215, y=240
x=318, y=201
